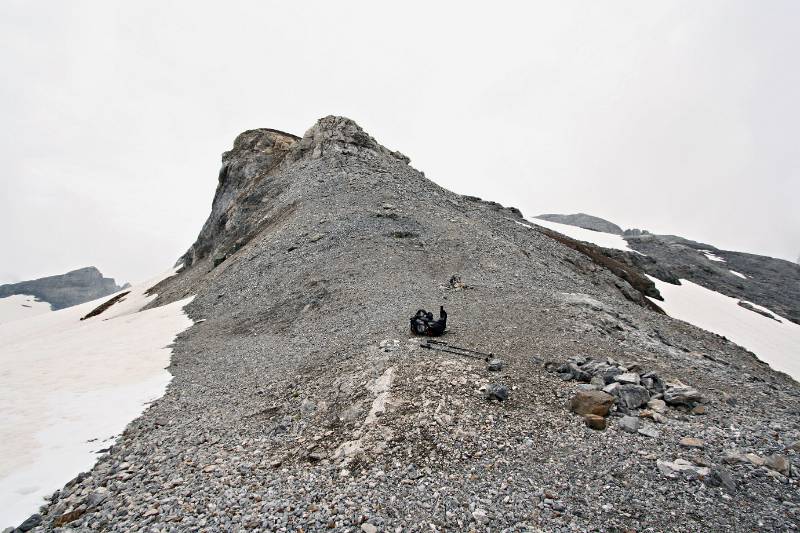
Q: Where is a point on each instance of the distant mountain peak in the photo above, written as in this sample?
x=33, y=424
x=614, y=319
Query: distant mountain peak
x=582, y=220
x=65, y=290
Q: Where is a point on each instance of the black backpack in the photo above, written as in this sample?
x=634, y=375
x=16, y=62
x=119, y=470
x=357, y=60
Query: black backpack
x=424, y=325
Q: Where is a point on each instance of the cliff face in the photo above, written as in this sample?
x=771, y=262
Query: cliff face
x=300, y=400
x=65, y=290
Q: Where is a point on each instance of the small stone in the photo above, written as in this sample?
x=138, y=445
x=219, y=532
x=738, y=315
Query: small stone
x=779, y=463
x=495, y=391
x=658, y=406
x=480, y=516
x=366, y=527
x=495, y=365
x=629, y=424
x=151, y=512
x=721, y=477
x=691, y=442
x=682, y=467
x=795, y=446
x=699, y=410
x=732, y=457
x=591, y=402
x=595, y=422
x=650, y=431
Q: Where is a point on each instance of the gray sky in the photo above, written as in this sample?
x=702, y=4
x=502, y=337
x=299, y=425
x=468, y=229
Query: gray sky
x=679, y=117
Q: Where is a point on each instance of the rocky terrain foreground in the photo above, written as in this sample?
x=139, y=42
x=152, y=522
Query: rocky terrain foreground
x=300, y=402
x=65, y=290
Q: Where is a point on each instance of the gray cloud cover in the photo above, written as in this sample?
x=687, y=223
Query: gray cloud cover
x=679, y=117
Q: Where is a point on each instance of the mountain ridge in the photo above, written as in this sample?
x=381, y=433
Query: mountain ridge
x=300, y=400
x=65, y=290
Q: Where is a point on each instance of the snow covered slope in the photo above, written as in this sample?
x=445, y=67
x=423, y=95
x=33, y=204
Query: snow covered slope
x=68, y=387
x=605, y=240
x=21, y=306
x=776, y=343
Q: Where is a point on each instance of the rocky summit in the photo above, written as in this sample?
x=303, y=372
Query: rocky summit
x=300, y=401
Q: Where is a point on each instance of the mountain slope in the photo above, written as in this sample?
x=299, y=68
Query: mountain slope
x=299, y=400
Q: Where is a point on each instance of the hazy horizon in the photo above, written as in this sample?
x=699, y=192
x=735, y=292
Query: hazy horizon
x=679, y=118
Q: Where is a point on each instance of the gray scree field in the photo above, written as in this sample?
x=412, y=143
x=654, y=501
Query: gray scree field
x=300, y=402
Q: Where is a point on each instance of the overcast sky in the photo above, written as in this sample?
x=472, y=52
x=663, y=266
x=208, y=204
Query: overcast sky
x=678, y=117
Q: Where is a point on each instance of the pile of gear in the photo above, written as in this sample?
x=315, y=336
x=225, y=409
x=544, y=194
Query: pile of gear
x=424, y=325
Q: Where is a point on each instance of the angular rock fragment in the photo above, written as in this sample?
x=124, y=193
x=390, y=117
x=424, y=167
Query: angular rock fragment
x=682, y=467
x=631, y=396
x=591, y=402
x=495, y=391
x=779, y=463
x=682, y=395
x=691, y=442
x=629, y=424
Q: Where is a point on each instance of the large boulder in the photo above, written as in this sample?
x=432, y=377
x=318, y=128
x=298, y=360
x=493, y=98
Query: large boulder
x=591, y=402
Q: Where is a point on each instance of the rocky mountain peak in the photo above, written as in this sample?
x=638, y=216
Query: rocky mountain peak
x=65, y=290
x=340, y=135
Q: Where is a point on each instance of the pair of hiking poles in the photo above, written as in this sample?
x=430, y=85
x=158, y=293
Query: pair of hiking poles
x=442, y=346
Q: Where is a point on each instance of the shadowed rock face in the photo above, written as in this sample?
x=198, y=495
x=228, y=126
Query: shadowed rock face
x=301, y=391
x=582, y=220
x=65, y=290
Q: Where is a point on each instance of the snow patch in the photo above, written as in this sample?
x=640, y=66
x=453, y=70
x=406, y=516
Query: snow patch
x=19, y=306
x=605, y=240
x=738, y=274
x=776, y=343
x=69, y=387
x=711, y=257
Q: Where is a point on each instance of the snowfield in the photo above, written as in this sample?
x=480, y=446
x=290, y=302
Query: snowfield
x=776, y=343
x=69, y=387
x=21, y=306
x=606, y=240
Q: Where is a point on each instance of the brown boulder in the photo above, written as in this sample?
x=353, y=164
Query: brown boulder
x=591, y=402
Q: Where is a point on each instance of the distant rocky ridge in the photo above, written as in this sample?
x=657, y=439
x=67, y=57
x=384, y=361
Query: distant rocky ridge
x=582, y=220
x=65, y=290
x=766, y=281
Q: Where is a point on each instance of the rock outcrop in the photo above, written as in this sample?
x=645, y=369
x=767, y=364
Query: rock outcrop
x=65, y=290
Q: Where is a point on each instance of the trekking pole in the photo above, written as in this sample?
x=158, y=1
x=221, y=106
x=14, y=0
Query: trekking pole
x=460, y=348
x=441, y=347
